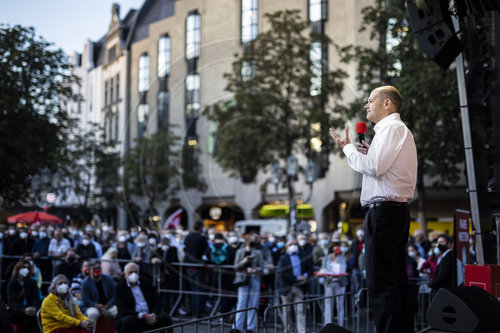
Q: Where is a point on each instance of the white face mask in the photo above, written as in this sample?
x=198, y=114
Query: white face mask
x=12, y=232
x=62, y=288
x=164, y=248
x=412, y=254
x=233, y=239
x=122, y=239
x=133, y=278
x=211, y=236
x=85, y=242
x=302, y=242
x=34, y=233
x=105, y=228
x=23, y=235
x=43, y=234
x=293, y=249
x=272, y=240
x=141, y=244
x=360, y=233
x=152, y=241
x=24, y=272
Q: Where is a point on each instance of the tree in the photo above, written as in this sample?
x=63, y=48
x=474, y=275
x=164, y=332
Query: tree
x=89, y=167
x=33, y=121
x=430, y=98
x=283, y=94
x=153, y=170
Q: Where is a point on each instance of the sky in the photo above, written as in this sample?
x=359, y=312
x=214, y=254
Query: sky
x=66, y=23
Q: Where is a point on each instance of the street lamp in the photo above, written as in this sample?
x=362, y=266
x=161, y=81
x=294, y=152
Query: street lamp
x=292, y=171
x=44, y=185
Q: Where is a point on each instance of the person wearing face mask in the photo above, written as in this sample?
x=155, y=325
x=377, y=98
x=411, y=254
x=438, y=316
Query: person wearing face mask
x=413, y=275
x=294, y=269
x=23, y=297
x=195, y=246
x=353, y=264
x=40, y=251
x=169, y=277
x=70, y=266
x=59, y=311
x=143, y=253
x=86, y=249
x=124, y=248
x=334, y=262
x=248, y=263
x=21, y=244
x=321, y=249
x=76, y=282
x=98, y=298
x=58, y=247
x=139, y=305
x=446, y=274
x=107, y=236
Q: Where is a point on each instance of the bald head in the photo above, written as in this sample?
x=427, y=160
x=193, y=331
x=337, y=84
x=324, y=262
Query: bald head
x=390, y=92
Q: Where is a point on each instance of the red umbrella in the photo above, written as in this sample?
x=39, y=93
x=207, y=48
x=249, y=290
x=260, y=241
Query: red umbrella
x=34, y=217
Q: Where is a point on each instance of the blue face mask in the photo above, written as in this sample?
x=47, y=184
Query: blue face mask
x=344, y=249
x=280, y=245
x=436, y=251
x=323, y=242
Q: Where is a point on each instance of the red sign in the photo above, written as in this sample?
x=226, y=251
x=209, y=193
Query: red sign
x=462, y=236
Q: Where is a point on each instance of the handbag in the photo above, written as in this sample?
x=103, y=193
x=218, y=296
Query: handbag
x=241, y=280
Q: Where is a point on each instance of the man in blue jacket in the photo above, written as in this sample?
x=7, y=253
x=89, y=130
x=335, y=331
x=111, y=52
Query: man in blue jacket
x=98, y=294
x=295, y=267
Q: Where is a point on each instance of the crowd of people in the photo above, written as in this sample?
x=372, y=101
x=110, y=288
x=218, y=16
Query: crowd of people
x=96, y=275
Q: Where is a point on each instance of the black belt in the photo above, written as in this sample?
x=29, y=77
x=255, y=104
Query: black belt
x=386, y=204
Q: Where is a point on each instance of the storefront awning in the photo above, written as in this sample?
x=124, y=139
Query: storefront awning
x=304, y=211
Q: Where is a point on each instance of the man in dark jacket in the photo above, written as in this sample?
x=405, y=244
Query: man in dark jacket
x=195, y=246
x=294, y=269
x=139, y=306
x=98, y=297
x=445, y=274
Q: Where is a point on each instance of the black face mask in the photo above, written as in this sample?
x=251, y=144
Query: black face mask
x=443, y=248
x=252, y=244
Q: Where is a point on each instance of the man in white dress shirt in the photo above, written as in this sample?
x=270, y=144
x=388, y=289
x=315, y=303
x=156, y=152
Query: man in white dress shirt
x=389, y=168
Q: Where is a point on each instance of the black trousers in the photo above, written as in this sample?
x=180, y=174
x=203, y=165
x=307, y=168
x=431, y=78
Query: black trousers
x=386, y=236
x=132, y=324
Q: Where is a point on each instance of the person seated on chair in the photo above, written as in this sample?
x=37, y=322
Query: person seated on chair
x=23, y=297
x=138, y=303
x=98, y=297
x=60, y=313
x=76, y=282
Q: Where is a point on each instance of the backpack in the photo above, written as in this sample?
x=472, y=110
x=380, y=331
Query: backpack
x=218, y=255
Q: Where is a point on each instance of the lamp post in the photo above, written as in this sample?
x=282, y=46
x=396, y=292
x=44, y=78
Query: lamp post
x=292, y=171
x=44, y=187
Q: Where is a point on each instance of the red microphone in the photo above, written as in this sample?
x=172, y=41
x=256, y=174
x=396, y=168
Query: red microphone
x=361, y=130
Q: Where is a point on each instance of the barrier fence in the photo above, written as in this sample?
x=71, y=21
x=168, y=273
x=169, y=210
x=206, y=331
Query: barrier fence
x=357, y=311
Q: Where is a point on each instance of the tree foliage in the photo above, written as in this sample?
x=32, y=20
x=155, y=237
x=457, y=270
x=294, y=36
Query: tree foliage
x=153, y=170
x=430, y=97
x=273, y=109
x=34, y=123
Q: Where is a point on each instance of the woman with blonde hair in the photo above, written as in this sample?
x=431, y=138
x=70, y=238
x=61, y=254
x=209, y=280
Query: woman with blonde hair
x=110, y=265
x=60, y=313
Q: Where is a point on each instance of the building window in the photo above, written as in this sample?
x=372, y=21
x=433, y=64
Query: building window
x=112, y=53
x=192, y=95
x=142, y=119
x=193, y=36
x=164, y=56
x=249, y=20
x=318, y=10
x=111, y=90
x=316, y=56
x=106, y=93
x=163, y=109
x=117, y=86
x=143, y=77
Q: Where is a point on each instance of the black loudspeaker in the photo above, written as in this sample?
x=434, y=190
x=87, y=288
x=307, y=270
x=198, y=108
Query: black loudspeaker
x=332, y=328
x=434, y=31
x=464, y=310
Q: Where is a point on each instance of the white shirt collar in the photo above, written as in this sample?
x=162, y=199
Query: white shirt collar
x=383, y=122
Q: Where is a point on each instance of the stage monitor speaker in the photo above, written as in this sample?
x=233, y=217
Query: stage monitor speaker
x=332, y=328
x=434, y=31
x=464, y=310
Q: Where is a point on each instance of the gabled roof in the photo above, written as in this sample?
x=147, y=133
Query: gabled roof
x=151, y=11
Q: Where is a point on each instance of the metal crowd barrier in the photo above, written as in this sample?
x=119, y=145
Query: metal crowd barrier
x=208, y=321
x=357, y=312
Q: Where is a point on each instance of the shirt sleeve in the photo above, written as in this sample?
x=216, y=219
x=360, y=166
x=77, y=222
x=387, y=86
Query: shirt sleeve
x=385, y=147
